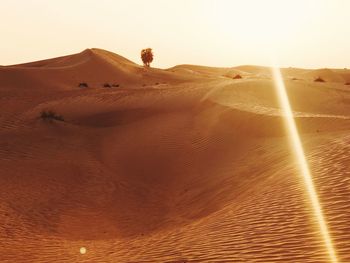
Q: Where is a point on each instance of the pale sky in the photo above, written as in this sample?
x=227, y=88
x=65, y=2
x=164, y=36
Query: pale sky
x=300, y=33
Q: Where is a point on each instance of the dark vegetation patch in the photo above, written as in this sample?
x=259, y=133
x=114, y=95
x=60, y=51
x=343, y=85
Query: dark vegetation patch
x=83, y=85
x=319, y=79
x=49, y=115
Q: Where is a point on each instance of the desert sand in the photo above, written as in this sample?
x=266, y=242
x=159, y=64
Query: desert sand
x=185, y=164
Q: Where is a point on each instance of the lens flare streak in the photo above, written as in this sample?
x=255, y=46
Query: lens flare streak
x=303, y=165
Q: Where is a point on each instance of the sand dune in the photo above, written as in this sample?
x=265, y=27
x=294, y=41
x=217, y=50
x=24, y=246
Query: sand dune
x=328, y=75
x=177, y=165
x=92, y=66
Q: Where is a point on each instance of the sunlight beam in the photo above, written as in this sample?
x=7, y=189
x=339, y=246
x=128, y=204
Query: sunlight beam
x=303, y=165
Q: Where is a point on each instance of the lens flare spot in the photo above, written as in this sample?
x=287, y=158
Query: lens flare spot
x=83, y=250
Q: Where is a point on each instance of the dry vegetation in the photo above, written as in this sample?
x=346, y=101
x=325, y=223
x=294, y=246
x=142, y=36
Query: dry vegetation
x=49, y=115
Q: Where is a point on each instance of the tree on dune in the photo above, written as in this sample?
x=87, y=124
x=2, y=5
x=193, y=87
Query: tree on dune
x=147, y=56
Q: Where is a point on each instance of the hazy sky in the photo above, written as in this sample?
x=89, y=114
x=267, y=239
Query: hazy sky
x=303, y=33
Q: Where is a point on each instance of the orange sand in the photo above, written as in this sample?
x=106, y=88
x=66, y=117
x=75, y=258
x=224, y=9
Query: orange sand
x=177, y=165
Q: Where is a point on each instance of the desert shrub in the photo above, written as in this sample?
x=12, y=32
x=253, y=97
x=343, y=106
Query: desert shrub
x=147, y=57
x=319, y=79
x=347, y=83
x=116, y=85
x=237, y=76
x=295, y=79
x=83, y=85
x=157, y=83
x=106, y=85
x=50, y=116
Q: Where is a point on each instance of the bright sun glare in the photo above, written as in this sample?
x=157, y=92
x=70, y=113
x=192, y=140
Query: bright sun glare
x=269, y=24
x=303, y=165
x=206, y=32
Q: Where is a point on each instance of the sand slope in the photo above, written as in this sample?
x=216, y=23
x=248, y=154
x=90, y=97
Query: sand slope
x=195, y=168
x=92, y=66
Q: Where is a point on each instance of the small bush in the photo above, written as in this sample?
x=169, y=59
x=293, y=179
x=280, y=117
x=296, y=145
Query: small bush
x=83, y=85
x=319, y=79
x=157, y=83
x=347, y=83
x=50, y=116
x=107, y=85
x=237, y=76
x=116, y=85
x=295, y=79
x=147, y=57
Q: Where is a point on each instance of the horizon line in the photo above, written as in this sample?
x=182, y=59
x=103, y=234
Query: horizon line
x=182, y=64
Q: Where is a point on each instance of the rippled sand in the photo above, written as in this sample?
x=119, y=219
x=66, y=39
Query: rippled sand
x=177, y=165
